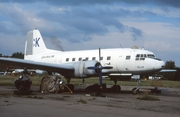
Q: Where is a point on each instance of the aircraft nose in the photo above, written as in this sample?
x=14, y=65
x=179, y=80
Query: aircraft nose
x=162, y=64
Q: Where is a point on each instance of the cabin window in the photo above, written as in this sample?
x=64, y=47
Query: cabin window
x=108, y=58
x=101, y=58
x=128, y=57
x=80, y=59
x=93, y=58
x=67, y=59
x=73, y=59
x=87, y=58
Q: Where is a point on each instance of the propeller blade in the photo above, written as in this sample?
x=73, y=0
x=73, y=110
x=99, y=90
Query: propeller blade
x=100, y=55
x=91, y=67
x=100, y=79
x=107, y=67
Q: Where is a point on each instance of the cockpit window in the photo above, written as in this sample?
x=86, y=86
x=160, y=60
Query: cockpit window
x=140, y=57
x=151, y=56
x=128, y=57
x=137, y=55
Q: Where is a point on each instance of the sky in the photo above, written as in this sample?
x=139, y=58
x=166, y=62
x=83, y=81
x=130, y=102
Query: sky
x=89, y=24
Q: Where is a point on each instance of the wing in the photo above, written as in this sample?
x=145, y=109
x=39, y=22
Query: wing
x=50, y=67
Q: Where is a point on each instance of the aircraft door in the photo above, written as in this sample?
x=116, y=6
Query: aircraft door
x=126, y=62
x=58, y=59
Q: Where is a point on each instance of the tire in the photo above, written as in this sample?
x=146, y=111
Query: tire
x=134, y=91
x=93, y=88
x=116, y=88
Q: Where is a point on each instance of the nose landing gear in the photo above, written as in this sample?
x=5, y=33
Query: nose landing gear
x=136, y=90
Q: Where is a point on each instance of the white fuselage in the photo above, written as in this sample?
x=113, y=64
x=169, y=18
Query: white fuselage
x=125, y=61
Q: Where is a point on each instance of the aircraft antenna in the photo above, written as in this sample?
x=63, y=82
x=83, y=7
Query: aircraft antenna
x=120, y=45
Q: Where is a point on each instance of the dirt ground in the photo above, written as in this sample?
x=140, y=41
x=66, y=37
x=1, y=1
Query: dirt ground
x=80, y=103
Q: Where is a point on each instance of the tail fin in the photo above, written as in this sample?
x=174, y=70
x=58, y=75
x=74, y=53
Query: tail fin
x=34, y=43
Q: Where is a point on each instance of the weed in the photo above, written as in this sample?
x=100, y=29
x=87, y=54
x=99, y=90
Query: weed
x=147, y=97
x=36, y=97
x=82, y=101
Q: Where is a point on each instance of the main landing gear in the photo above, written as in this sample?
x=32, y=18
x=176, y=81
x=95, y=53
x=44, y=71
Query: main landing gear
x=115, y=87
x=118, y=88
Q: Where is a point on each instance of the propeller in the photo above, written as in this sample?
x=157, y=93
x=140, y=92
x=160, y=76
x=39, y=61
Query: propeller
x=98, y=68
x=100, y=55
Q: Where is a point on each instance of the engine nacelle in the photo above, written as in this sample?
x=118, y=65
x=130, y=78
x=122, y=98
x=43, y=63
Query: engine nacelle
x=81, y=68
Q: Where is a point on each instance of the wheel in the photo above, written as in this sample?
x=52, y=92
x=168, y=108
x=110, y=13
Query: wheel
x=135, y=91
x=93, y=88
x=116, y=88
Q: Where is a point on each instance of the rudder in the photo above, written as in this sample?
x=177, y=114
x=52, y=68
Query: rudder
x=34, y=43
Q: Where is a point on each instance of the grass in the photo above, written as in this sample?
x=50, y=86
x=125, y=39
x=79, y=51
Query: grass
x=36, y=80
x=148, y=97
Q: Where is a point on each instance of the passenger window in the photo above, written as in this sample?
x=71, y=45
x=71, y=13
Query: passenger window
x=86, y=58
x=128, y=57
x=80, y=59
x=73, y=59
x=93, y=58
x=67, y=59
x=101, y=58
x=108, y=58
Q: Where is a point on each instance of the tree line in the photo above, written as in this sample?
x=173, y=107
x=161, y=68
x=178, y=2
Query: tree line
x=19, y=55
x=171, y=75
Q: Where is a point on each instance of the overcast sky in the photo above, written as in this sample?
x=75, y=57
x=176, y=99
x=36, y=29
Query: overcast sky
x=90, y=24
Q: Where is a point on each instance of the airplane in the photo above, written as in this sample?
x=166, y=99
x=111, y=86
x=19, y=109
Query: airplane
x=114, y=62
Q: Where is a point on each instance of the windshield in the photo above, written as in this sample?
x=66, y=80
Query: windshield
x=151, y=56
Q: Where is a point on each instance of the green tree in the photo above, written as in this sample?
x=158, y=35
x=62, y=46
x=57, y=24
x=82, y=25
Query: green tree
x=170, y=65
x=18, y=55
x=177, y=76
x=170, y=75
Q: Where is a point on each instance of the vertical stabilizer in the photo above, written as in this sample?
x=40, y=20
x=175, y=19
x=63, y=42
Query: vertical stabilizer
x=34, y=43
